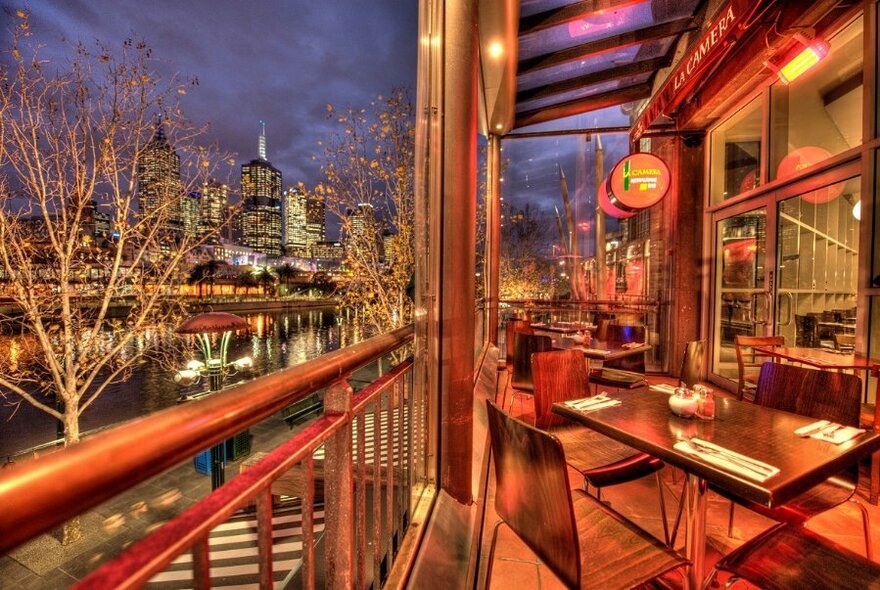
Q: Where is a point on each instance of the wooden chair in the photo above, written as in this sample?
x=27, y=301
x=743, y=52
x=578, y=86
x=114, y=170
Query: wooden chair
x=523, y=348
x=870, y=419
x=844, y=342
x=627, y=372
x=791, y=556
x=691, y=363
x=582, y=541
x=823, y=395
x=749, y=363
x=513, y=326
x=559, y=376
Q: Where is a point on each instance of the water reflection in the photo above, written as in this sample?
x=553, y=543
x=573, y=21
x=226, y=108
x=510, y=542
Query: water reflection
x=277, y=339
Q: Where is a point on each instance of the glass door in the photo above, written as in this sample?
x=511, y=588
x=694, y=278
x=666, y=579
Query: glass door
x=743, y=285
x=817, y=266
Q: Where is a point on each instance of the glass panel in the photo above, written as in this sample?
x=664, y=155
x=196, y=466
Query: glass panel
x=595, y=63
x=583, y=92
x=817, y=266
x=740, y=302
x=819, y=114
x=602, y=24
x=736, y=154
x=616, y=116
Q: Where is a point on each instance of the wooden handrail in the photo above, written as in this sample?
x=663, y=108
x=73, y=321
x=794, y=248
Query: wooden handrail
x=39, y=495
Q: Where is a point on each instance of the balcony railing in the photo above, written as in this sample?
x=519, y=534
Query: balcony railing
x=368, y=485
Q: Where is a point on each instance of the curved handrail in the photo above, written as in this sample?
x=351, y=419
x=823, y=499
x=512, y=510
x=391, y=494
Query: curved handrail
x=41, y=494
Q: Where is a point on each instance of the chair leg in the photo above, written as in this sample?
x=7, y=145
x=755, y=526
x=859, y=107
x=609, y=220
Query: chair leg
x=681, y=502
x=662, y=508
x=491, y=560
x=730, y=521
x=866, y=527
x=875, y=478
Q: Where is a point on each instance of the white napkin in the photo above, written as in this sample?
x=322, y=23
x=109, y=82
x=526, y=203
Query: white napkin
x=596, y=350
x=588, y=404
x=839, y=436
x=663, y=388
x=812, y=428
x=729, y=460
x=629, y=345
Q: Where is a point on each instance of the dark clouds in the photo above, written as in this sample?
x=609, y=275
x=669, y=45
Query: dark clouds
x=272, y=60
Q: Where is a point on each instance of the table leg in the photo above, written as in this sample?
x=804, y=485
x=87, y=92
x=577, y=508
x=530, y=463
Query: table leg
x=695, y=531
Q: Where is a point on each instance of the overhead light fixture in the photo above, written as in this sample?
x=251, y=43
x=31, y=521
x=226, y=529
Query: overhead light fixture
x=496, y=49
x=857, y=210
x=814, y=50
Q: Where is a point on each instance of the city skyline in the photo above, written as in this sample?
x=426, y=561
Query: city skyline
x=276, y=62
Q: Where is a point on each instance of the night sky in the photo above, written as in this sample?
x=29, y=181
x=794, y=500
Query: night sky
x=279, y=61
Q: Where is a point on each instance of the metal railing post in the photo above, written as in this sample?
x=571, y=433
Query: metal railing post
x=339, y=507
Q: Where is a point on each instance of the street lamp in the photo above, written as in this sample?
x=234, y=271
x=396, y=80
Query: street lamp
x=213, y=366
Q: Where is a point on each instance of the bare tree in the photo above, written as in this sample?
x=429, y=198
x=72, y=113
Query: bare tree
x=522, y=268
x=72, y=138
x=368, y=186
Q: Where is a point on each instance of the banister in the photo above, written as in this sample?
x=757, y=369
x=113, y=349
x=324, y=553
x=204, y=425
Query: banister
x=41, y=494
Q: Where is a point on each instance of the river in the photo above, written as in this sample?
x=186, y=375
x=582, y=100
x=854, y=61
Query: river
x=277, y=339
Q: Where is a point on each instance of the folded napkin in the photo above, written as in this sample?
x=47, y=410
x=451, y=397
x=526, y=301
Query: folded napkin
x=588, y=404
x=596, y=350
x=817, y=360
x=663, y=388
x=836, y=434
x=629, y=345
x=812, y=428
x=727, y=459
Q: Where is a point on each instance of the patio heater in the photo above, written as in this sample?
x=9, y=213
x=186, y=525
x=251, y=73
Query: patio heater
x=213, y=367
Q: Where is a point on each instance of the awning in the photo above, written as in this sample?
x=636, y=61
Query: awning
x=576, y=57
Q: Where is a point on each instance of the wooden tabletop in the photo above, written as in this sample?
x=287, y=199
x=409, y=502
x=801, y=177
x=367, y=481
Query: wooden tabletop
x=821, y=358
x=609, y=351
x=644, y=422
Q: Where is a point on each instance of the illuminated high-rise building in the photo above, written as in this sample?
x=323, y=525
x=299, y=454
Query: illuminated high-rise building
x=295, y=231
x=189, y=214
x=213, y=212
x=315, y=221
x=261, y=199
x=362, y=230
x=158, y=180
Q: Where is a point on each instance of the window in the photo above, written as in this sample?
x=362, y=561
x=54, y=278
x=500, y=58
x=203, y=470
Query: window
x=819, y=114
x=736, y=154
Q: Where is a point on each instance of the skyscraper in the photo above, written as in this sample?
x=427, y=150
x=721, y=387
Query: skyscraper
x=315, y=222
x=189, y=214
x=158, y=181
x=215, y=198
x=261, y=198
x=362, y=229
x=295, y=230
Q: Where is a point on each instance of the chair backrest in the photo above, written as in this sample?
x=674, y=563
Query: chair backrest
x=514, y=325
x=532, y=492
x=602, y=328
x=745, y=355
x=691, y=363
x=844, y=341
x=486, y=384
x=824, y=395
x=621, y=334
x=806, y=331
x=524, y=346
x=558, y=376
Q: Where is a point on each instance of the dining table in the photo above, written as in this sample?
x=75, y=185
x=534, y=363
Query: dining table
x=643, y=420
x=822, y=358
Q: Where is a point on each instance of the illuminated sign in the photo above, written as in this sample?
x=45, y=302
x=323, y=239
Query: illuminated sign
x=607, y=207
x=805, y=157
x=637, y=182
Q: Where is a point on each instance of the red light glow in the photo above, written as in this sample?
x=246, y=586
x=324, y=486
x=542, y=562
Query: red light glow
x=803, y=61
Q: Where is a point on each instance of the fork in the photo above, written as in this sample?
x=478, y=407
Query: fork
x=748, y=465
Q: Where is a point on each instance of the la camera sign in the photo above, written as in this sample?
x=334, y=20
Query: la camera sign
x=637, y=182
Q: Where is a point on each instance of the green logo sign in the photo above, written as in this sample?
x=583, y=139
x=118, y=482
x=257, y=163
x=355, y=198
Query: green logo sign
x=626, y=175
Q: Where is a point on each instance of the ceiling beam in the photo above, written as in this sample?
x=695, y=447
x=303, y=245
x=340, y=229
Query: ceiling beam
x=622, y=71
x=585, y=50
x=584, y=105
x=567, y=14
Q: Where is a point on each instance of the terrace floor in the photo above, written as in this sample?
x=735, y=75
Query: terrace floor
x=517, y=567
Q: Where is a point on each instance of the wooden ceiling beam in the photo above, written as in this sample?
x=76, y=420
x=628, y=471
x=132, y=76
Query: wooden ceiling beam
x=567, y=14
x=585, y=50
x=622, y=71
x=583, y=105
